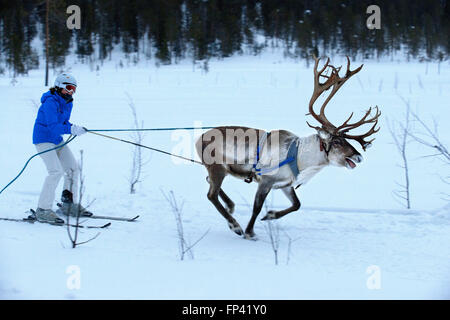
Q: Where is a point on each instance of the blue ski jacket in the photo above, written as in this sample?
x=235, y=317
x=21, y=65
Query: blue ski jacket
x=52, y=119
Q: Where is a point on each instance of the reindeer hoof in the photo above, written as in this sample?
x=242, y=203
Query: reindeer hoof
x=236, y=228
x=250, y=236
x=270, y=215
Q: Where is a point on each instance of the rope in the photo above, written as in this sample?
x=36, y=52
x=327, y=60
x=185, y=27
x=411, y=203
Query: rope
x=37, y=154
x=126, y=141
x=146, y=147
x=150, y=129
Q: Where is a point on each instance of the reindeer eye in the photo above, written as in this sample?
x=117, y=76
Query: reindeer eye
x=337, y=142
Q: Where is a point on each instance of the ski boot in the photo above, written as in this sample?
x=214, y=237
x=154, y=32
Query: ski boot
x=48, y=216
x=68, y=208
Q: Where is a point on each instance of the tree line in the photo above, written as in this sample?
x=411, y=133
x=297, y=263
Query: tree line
x=170, y=30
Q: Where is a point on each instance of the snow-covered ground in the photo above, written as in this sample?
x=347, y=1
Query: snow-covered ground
x=375, y=249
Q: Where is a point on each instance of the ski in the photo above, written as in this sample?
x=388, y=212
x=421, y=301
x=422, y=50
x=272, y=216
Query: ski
x=32, y=219
x=90, y=215
x=114, y=218
x=106, y=225
x=57, y=224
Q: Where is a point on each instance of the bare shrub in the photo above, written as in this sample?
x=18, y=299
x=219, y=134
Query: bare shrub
x=74, y=237
x=184, y=247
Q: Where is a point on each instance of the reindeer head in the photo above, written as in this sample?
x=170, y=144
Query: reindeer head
x=334, y=139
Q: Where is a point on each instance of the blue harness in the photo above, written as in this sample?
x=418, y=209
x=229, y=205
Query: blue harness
x=291, y=159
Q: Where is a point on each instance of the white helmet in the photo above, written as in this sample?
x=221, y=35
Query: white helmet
x=65, y=79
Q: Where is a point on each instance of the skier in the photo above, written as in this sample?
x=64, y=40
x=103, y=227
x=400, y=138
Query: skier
x=52, y=121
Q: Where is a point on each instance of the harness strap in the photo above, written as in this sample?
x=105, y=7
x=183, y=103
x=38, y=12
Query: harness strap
x=291, y=159
x=258, y=146
x=292, y=155
x=323, y=147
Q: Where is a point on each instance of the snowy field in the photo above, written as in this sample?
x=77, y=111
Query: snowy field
x=351, y=239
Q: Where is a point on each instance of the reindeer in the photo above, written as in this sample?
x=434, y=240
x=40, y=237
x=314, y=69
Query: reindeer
x=279, y=159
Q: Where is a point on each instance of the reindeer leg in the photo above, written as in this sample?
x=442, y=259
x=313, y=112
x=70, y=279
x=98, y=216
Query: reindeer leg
x=290, y=194
x=227, y=200
x=261, y=194
x=216, y=175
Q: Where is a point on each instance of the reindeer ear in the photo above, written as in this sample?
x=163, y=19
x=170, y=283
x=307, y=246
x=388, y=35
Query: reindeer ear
x=324, y=135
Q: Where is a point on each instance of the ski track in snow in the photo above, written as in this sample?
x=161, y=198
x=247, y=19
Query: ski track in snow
x=335, y=242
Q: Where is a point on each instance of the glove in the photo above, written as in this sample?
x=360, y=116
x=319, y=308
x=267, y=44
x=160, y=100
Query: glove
x=77, y=130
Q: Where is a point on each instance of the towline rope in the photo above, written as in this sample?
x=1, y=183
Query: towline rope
x=146, y=147
x=149, y=129
x=95, y=131
x=37, y=154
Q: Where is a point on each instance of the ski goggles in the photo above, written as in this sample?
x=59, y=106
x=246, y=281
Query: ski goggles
x=70, y=87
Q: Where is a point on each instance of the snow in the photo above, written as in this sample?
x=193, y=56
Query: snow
x=350, y=230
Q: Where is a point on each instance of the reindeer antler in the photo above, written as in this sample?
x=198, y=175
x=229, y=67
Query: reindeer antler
x=341, y=130
x=335, y=82
x=319, y=88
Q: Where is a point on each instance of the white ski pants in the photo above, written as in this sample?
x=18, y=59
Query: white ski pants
x=59, y=162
